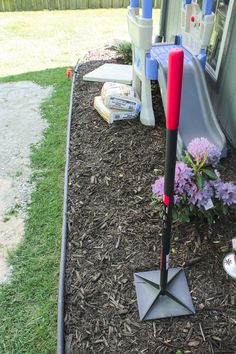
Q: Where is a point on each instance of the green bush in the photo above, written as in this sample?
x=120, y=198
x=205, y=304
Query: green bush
x=124, y=49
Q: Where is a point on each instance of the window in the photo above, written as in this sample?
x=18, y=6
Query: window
x=223, y=11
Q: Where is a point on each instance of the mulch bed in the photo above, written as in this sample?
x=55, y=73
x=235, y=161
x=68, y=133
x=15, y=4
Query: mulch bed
x=113, y=232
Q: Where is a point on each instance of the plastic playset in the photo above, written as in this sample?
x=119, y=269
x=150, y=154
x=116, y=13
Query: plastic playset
x=179, y=67
x=150, y=62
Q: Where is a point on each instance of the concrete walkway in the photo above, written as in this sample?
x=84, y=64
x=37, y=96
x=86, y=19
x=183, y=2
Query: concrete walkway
x=21, y=125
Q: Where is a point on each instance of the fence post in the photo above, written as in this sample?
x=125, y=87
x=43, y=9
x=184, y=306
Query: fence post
x=117, y=4
x=126, y=3
x=94, y=4
x=106, y=4
x=157, y=4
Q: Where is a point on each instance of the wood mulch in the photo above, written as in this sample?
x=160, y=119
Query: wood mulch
x=114, y=232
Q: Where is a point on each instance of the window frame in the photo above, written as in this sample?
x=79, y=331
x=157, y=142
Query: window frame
x=214, y=73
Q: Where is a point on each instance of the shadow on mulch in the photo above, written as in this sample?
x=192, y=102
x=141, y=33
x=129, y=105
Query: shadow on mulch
x=113, y=232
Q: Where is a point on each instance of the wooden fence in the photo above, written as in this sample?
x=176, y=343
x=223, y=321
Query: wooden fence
x=35, y=5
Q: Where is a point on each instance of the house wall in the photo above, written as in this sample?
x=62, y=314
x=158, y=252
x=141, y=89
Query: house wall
x=222, y=92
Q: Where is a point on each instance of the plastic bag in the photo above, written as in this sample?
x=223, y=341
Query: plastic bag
x=120, y=96
x=112, y=115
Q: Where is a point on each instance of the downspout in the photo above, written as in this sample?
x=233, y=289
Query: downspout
x=161, y=37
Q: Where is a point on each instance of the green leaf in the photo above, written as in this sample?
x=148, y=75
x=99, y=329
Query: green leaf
x=174, y=214
x=189, y=159
x=184, y=218
x=184, y=159
x=209, y=172
x=210, y=217
x=220, y=167
x=225, y=209
x=199, y=181
x=153, y=203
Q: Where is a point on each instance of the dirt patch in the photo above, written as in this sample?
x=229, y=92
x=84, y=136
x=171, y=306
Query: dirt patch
x=113, y=232
x=21, y=125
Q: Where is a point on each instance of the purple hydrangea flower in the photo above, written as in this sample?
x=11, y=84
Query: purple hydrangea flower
x=183, y=175
x=177, y=199
x=225, y=191
x=198, y=146
x=158, y=187
x=213, y=183
x=200, y=197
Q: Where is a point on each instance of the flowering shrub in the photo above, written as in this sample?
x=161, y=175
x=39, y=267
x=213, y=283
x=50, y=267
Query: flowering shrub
x=198, y=190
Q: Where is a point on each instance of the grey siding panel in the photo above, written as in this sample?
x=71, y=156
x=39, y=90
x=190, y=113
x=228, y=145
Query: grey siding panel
x=225, y=100
x=223, y=93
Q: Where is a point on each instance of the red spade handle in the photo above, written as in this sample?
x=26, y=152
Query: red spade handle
x=174, y=87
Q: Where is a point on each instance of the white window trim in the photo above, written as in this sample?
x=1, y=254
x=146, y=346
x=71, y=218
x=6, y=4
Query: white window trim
x=210, y=70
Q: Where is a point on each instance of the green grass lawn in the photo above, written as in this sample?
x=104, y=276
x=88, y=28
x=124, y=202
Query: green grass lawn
x=39, y=40
x=28, y=309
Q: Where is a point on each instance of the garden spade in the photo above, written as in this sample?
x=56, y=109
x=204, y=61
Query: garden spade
x=165, y=293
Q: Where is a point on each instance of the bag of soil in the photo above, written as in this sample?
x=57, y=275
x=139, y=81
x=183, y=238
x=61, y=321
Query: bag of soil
x=120, y=96
x=112, y=115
